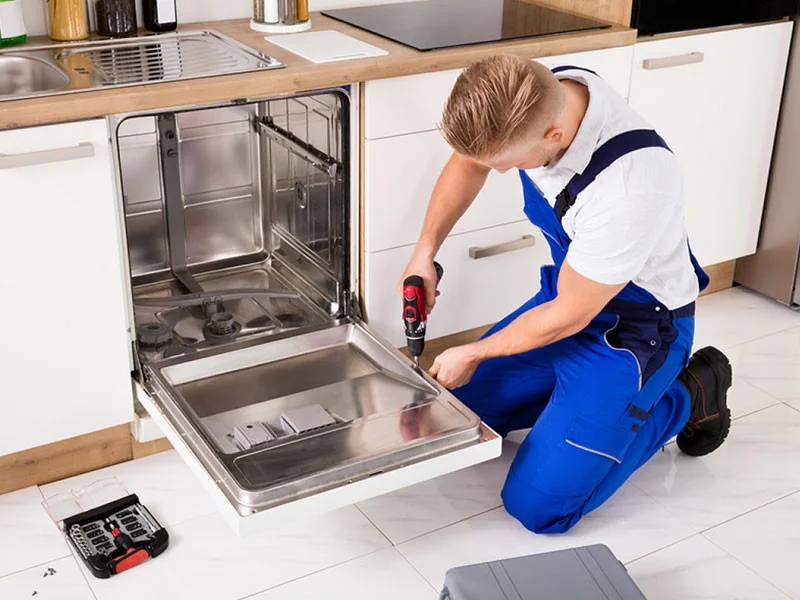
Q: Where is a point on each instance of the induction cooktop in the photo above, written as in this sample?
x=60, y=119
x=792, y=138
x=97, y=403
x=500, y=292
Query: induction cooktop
x=432, y=24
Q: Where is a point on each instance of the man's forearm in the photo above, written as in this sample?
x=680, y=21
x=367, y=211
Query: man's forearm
x=459, y=183
x=540, y=326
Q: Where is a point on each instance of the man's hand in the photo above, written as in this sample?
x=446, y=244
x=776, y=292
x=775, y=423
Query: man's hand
x=454, y=367
x=422, y=264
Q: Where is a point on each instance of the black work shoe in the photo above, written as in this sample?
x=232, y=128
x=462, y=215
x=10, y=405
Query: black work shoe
x=708, y=377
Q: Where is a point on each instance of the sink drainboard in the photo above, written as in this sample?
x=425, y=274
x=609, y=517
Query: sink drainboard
x=163, y=58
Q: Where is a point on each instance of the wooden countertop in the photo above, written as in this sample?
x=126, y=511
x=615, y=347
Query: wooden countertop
x=299, y=74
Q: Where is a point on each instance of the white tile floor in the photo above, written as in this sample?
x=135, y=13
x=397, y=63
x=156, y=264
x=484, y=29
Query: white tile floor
x=723, y=527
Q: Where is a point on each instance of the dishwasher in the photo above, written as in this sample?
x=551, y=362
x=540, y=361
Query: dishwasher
x=242, y=224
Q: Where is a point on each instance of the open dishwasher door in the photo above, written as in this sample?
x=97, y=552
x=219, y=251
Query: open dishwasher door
x=250, y=353
x=310, y=423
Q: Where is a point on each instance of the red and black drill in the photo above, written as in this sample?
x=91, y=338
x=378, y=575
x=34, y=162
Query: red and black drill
x=415, y=316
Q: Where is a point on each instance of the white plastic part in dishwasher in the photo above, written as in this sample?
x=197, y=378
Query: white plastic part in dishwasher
x=381, y=483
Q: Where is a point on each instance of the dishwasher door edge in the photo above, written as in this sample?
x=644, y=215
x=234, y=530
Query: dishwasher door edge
x=490, y=447
x=218, y=482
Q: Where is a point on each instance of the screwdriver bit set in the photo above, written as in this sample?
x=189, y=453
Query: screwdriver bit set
x=116, y=536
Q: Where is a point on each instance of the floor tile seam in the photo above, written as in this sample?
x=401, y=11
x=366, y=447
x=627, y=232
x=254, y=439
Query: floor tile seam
x=755, y=339
x=403, y=554
x=459, y=521
x=727, y=521
x=375, y=525
x=792, y=406
x=752, y=382
x=417, y=571
x=311, y=573
x=748, y=567
x=660, y=548
x=85, y=577
x=41, y=564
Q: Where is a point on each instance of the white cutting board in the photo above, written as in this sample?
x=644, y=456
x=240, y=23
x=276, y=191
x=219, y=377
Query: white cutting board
x=325, y=46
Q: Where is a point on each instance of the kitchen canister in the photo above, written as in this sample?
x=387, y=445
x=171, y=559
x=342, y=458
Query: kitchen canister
x=67, y=20
x=280, y=16
x=12, y=26
x=115, y=18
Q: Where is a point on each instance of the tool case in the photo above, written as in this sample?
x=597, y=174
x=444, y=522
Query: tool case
x=586, y=573
x=109, y=528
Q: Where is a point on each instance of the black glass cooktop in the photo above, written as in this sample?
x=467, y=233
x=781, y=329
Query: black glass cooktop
x=435, y=24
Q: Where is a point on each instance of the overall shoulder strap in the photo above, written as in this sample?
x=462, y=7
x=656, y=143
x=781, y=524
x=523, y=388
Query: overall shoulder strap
x=557, y=70
x=604, y=157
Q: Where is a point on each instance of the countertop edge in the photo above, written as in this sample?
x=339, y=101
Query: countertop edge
x=298, y=76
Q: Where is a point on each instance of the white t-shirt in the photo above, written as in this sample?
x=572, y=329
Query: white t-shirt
x=629, y=223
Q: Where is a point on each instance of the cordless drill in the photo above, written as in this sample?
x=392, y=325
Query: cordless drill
x=415, y=316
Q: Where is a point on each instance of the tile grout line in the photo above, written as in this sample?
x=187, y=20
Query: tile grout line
x=309, y=574
x=792, y=406
x=657, y=550
x=692, y=526
x=752, y=383
x=428, y=581
x=83, y=574
x=477, y=514
x=47, y=562
x=746, y=566
x=702, y=530
x=417, y=571
x=752, y=510
x=375, y=525
x=755, y=339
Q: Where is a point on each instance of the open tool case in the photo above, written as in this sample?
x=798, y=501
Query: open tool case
x=108, y=527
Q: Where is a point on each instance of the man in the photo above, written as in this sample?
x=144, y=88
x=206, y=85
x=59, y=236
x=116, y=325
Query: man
x=599, y=361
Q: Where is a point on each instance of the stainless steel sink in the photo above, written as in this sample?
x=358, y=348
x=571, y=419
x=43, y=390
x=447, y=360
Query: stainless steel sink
x=103, y=64
x=21, y=75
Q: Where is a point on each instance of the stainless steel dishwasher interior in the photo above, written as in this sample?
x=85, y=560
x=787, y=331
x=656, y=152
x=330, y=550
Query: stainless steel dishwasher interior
x=236, y=198
x=239, y=233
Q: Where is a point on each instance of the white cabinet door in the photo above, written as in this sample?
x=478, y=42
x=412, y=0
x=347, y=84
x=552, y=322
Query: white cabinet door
x=413, y=103
x=398, y=179
x=65, y=356
x=488, y=273
x=715, y=98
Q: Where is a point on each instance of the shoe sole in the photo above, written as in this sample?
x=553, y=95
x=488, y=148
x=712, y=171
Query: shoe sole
x=723, y=373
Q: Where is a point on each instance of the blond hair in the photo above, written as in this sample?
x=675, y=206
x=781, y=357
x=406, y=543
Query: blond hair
x=498, y=101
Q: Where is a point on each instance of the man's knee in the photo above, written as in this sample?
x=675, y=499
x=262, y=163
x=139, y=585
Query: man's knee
x=540, y=510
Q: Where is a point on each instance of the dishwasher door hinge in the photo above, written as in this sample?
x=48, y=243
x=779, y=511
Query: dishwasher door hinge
x=355, y=306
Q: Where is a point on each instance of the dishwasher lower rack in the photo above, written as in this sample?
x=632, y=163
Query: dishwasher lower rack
x=289, y=418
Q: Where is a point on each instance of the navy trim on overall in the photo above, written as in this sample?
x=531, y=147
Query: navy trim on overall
x=599, y=403
x=557, y=70
x=644, y=324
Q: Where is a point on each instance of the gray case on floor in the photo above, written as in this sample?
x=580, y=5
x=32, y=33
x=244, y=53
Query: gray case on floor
x=587, y=573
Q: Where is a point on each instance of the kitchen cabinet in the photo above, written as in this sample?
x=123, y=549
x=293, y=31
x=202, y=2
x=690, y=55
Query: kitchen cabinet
x=65, y=356
x=715, y=98
x=402, y=105
x=488, y=273
x=399, y=175
x=404, y=154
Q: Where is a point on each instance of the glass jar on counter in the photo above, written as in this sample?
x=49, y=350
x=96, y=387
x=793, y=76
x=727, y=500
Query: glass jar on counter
x=114, y=18
x=67, y=20
x=280, y=16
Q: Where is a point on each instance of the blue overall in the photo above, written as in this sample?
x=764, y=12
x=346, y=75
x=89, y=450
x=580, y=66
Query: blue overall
x=601, y=402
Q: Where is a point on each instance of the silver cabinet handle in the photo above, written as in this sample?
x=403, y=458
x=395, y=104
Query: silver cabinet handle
x=651, y=64
x=526, y=241
x=43, y=157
